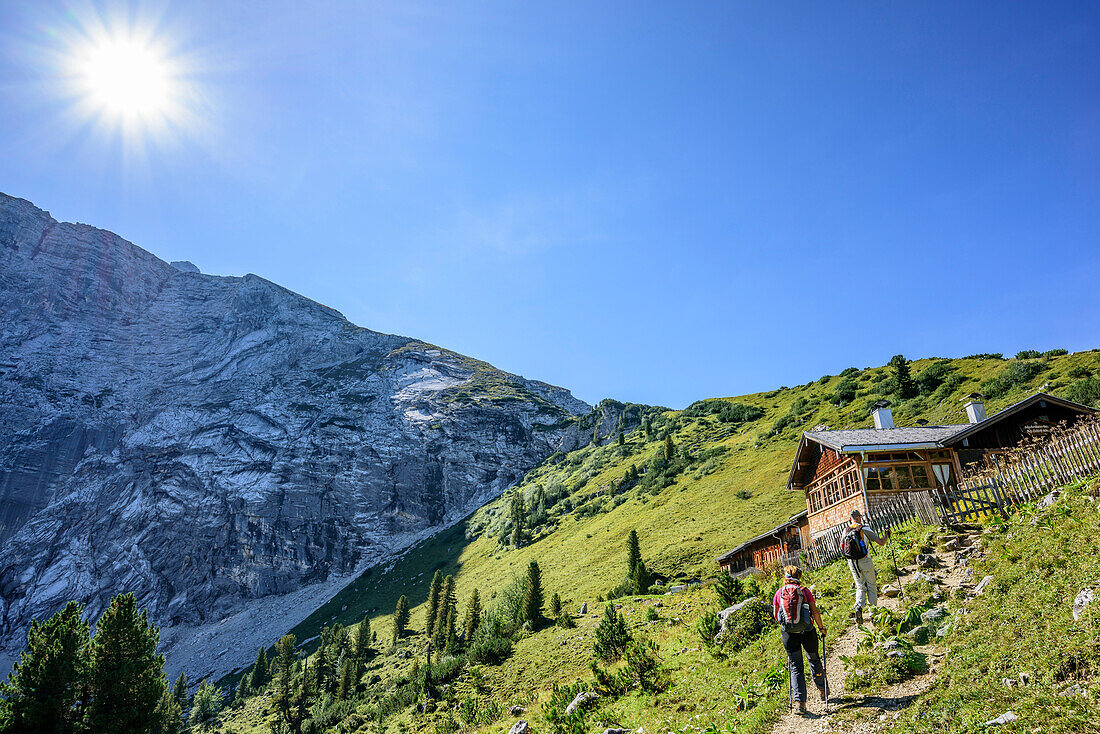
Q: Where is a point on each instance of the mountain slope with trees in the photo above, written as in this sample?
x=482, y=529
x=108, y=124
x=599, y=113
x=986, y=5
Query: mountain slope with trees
x=689, y=484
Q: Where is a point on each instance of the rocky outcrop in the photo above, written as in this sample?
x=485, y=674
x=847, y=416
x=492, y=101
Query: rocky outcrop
x=209, y=441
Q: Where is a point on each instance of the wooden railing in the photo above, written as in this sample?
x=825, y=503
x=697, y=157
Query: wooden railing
x=1024, y=474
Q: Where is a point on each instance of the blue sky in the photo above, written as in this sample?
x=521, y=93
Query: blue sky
x=658, y=202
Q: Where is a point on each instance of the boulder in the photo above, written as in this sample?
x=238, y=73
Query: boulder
x=617, y=731
x=582, y=700
x=918, y=635
x=1086, y=597
x=520, y=727
x=584, y=608
x=935, y=614
x=895, y=653
x=891, y=591
x=927, y=560
x=1006, y=718
x=981, y=587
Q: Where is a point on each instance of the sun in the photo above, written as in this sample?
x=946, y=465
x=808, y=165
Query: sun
x=125, y=78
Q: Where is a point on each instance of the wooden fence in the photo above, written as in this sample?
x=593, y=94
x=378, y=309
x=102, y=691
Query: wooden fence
x=1021, y=475
x=1024, y=474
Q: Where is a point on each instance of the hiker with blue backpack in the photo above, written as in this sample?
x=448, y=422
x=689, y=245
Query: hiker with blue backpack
x=795, y=609
x=854, y=546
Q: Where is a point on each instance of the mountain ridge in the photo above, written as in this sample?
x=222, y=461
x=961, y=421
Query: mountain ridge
x=206, y=441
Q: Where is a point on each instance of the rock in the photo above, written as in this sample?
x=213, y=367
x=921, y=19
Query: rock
x=1086, y=597
x=515, y=711
x=889, y=645
x=981, y=587
x=895, y=653
x=943, y=630
x=582, y=700
x=1049, y=500
x=520, y=727
x=935, y=614
x=236, y=442
x=927, y=560
x=918, y=635
x=584, y=608
x=1006, y=718
x=659, y=605
x=618, y=731
x=891, y=591
x=1024, y=679
x=1008, y=682
x=921, y=576
x=952, y=545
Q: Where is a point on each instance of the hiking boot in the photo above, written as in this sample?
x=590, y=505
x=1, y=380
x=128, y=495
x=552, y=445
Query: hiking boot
x=857, y=615
x=824, y=697
x=800, y=708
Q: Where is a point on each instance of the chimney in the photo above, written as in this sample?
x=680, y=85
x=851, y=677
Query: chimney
x=975, y=407
x=882, y=415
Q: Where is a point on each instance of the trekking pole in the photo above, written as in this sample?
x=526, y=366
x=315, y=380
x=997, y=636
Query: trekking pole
x=825, y=673
x=893, y=558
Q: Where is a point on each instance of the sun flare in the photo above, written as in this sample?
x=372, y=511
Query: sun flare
x=125, y=78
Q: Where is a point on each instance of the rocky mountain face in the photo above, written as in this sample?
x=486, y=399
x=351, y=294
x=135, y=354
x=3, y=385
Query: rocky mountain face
x=207, y=442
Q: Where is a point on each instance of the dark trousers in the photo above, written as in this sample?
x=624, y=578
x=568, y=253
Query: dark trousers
x=795, y=643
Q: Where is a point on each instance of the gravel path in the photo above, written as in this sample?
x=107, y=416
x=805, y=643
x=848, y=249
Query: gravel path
x=858, y=713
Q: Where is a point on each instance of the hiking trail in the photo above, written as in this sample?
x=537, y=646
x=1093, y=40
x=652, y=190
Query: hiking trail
x=861, y=713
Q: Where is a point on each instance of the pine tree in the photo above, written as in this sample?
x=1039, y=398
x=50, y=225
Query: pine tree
x=633, y=551
x=533, y=598
x=596, y=437
x=728, y=589
x=206, y=705
x=906, y=387
x=622, y=438
x=169, y=715
x=348, y=679
x=642, y=578
x=362, y=640
x=400, y=618
x=260, y=674
x=473, y=617
x=519, y=518
x=612, y=636
x=179, y=690
x=433, y=603
x=45, y=684
x=426, y=682
x=126, y=676
x=555, y=605
x=449, y=602
x=244, y=688
x=670, y=448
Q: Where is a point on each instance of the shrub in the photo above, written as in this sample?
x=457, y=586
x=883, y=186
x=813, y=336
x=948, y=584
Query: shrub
x=1055, y=353
x=849, y=372
x=708, y=627
x=612, y=636
x=651, y=614
x=746, y=625
x=932, y=376
x=1017, y=373
x=643, y=666
x=742, y=494
x=491, y=650
x=728, y=589
x=1028, y=354
x=844, y=392
x=1086, y=391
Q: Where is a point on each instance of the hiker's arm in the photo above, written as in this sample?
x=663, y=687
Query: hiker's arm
x=884, y=537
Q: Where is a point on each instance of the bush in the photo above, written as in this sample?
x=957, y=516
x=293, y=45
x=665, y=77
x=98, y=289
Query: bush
x=643, y=666
x=1086, y=391
x=844, y=392
x=1028, y=354
x=932, y=376
x=612, y=636
x=491, y=650
x=708, y=627
x=849, y=372
x=651, y=614
x=746, y=625
x=728, y=589
x=1016, y=374
x=1055, y=353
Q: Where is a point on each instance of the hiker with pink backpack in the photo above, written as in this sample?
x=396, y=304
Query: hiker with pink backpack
x=795, y=609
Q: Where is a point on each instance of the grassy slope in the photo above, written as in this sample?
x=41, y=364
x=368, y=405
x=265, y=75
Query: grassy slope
x=1039, y=562
x=682, y=529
